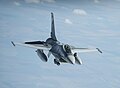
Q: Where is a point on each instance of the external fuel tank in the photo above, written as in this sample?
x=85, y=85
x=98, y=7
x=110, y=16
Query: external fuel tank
x=42, y=55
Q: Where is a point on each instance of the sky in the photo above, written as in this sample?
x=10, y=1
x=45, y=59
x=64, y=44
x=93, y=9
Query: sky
x=82, y=23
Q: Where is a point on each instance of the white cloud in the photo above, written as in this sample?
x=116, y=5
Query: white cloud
x=68, y=21
x=50, y=1
x=65, y=8
x=17, y=3
x=100, y=18
x=39, y=1
x=96, y=1
x=32, y=1
x=118, y=0
x=80, y=12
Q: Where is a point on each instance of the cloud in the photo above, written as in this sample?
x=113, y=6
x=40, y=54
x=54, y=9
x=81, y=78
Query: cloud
x=68, y=21
x=80, y=12
x=100, y=18
x=17, y=3
x=39, y=1
x=96, y=1
x=32, y=1
x=100, y=33
x=118, y=0
x=50, y=1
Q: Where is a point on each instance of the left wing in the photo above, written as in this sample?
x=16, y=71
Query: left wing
x=82, y=50
x=34, y=44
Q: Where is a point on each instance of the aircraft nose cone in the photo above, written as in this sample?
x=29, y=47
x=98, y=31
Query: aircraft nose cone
x=71, y=59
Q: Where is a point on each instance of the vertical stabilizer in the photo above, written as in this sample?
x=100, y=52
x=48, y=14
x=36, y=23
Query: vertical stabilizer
x=53, y=27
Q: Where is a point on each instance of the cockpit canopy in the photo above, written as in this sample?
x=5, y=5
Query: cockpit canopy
x=67, y=48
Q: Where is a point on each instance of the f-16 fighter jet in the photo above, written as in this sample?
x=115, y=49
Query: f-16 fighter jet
x=63, y=53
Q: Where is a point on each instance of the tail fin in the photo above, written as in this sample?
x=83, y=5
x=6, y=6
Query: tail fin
x=53, y=27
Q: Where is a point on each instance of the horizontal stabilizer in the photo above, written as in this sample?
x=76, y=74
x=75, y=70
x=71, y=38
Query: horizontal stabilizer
x=35, y=42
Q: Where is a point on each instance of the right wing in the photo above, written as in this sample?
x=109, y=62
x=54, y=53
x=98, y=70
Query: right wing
x=82, y=50
x=34, y=44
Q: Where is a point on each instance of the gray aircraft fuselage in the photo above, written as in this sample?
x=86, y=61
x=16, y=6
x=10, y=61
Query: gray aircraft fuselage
x=60, y=52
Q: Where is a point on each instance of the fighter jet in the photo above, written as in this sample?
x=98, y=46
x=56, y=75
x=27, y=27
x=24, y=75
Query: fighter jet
x=63, y=53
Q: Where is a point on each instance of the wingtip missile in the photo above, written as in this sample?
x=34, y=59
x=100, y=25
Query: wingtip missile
x=13, y=43
x=99, y=50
